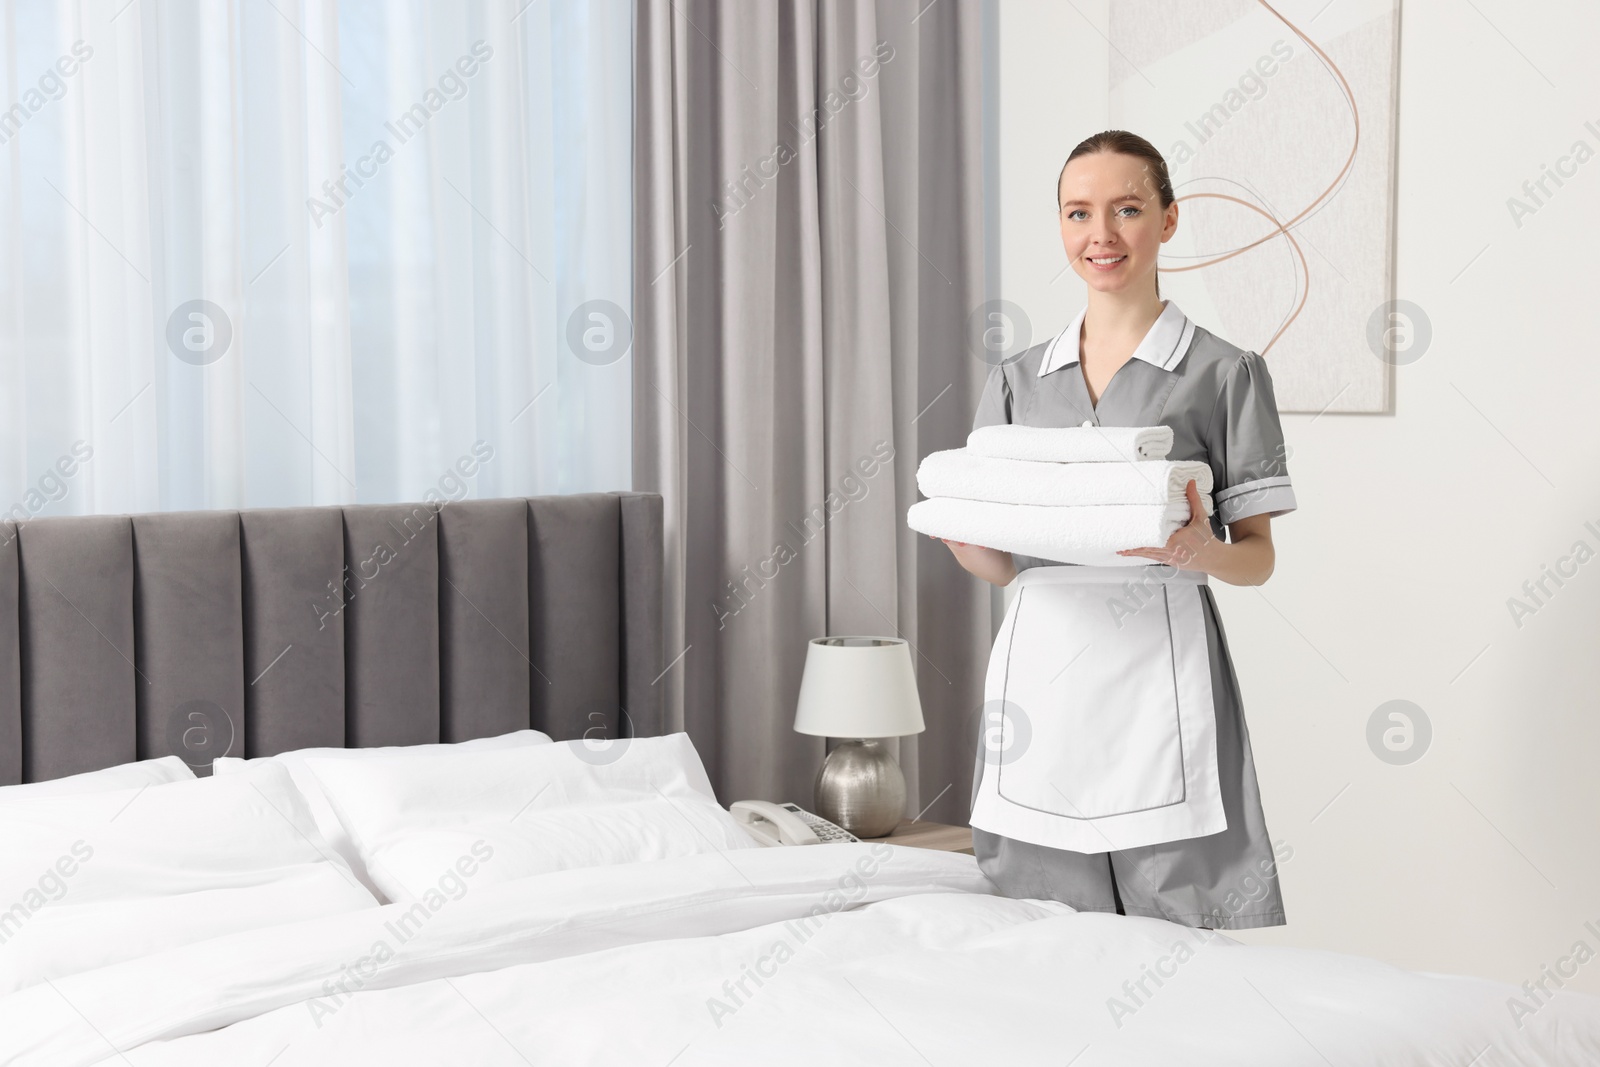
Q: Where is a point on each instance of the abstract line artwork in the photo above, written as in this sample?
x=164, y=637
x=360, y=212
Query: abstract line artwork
x=1277, y=122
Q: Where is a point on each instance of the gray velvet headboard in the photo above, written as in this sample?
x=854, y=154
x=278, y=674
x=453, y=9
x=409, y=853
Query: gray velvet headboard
x=253, y=632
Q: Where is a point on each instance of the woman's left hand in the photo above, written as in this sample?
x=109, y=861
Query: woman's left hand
x=1191, y=547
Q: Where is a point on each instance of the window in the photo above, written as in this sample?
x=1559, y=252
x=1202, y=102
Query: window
x=268, y=253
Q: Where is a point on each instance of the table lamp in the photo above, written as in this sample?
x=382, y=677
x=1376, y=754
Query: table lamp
x=859, y=689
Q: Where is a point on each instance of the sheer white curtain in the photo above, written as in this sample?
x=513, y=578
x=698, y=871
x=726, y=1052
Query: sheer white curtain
x=278, y=252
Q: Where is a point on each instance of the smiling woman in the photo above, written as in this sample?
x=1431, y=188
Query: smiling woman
x=1123, y=781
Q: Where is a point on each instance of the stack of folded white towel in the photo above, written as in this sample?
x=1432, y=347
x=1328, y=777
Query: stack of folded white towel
x=1071, y=495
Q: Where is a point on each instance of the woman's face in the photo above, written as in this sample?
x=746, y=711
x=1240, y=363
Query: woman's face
x=1112, y=222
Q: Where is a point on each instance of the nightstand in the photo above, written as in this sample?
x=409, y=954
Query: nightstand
x=919, y=833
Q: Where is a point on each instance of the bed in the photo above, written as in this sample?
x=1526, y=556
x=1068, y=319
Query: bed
x=391, y=785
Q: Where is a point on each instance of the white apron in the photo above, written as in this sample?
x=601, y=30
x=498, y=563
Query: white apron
x=1099, y=728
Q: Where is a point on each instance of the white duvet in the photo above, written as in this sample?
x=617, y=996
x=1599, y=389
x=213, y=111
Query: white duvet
x=831, y=954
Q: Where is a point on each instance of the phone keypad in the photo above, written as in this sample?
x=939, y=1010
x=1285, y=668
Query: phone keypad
x=826, y=831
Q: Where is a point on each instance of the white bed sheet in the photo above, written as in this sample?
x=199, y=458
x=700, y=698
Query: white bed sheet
x=89, y=879
x=914, y=961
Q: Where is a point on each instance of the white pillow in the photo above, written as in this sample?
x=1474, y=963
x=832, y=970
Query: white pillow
x=527, y=811
x=96, y=878
x=327, y=822
x=125, y=776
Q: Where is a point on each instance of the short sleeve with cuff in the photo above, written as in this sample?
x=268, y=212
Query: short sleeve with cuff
x=1249, y=460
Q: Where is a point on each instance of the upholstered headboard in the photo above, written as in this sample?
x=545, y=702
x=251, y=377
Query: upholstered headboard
x=200, y=634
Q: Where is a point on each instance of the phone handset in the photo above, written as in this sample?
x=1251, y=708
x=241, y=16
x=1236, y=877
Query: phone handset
x=786, y=824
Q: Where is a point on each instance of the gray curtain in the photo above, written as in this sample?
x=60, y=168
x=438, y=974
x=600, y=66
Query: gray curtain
x=809, y=246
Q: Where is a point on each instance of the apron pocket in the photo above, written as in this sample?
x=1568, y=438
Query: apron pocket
x=1091, y=702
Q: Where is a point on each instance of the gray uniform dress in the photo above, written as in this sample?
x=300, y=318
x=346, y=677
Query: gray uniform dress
x=1218, y=400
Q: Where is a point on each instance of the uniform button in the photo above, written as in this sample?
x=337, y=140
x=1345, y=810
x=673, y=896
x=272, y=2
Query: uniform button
x=1088, y=422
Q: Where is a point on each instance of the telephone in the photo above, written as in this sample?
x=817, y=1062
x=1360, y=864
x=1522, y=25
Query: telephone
x=787, y=824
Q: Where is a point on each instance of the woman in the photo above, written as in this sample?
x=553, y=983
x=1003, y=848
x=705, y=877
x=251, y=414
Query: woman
x=1125, y=780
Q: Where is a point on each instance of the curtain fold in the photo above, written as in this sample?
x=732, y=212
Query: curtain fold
x=312, y=251
x=808, y=219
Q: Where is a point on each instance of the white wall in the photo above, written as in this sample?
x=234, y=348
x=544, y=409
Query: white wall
x=1414, y=529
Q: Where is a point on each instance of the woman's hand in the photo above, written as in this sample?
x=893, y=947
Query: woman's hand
x=1191, y=547
x=990, y=564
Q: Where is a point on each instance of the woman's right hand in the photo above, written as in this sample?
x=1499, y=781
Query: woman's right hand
x=991, y=564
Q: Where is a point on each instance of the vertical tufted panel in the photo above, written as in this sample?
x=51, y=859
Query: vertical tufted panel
x=484, y=666
x=574, y=598
x=642, y=655
x=292, y=565
x=329, y=626
x=187, y=613
x=79, y=712
x=10, y=660
x=391, y=625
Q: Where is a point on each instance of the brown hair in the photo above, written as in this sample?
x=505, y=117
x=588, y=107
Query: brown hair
x=1128, y=144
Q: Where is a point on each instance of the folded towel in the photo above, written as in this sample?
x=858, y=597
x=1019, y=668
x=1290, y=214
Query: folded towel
x=1089, y=534
x=959, y=472
x=1072, y=444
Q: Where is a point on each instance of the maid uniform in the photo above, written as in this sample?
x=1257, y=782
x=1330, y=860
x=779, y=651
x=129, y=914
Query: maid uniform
x=1114, y=770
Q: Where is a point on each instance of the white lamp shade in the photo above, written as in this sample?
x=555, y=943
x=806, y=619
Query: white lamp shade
x=858, y=687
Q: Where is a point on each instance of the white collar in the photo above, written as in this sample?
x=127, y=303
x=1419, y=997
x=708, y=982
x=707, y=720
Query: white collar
x=1163, y=345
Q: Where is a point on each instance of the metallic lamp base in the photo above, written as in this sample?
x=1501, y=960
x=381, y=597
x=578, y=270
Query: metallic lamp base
x=861, y=788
